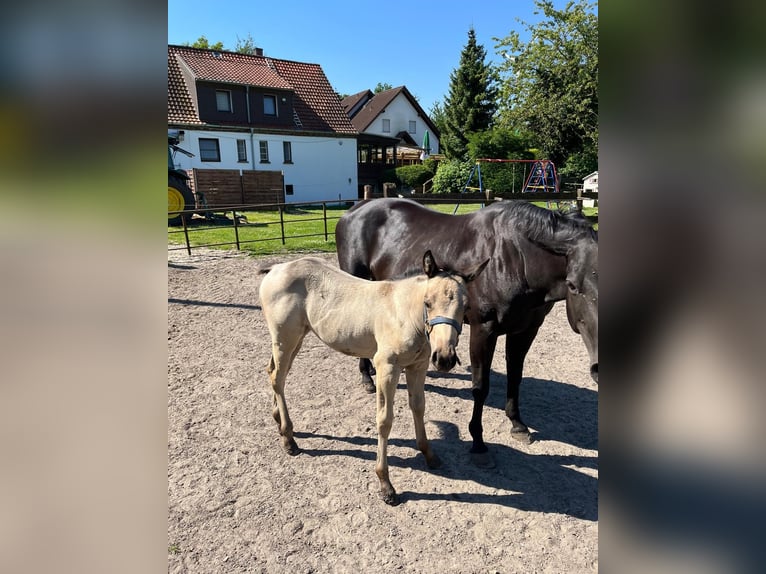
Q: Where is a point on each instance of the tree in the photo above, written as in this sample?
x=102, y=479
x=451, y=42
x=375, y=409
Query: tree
x=202, y=42
x=550, y=86
x=382, y=87
x=471, y=103
x=246, y=45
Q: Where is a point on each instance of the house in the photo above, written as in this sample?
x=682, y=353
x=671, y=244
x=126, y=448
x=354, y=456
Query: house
x=392, y=130
x=590, y=183
x=252, y=113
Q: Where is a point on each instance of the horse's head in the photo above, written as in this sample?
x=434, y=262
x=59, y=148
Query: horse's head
x=445, y=303
x=582, y=296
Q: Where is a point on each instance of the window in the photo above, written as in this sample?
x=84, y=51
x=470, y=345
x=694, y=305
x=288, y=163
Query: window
x=264, y=145
x=413, y=127
x=386, y=126
x=209, y=150
x=241, y=151
x=269, y=105
x=287, y=149
x=289, y=189
x=223, y=100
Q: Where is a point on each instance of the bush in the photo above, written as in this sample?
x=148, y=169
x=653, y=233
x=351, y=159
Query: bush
x=451, y=176
x=410, y=176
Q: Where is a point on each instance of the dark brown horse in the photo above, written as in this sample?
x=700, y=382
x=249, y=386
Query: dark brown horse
x=537, y=257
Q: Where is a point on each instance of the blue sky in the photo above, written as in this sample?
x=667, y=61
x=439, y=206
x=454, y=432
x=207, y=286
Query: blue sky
x=358, y=44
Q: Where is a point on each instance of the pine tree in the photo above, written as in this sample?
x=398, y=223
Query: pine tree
x=471, y=103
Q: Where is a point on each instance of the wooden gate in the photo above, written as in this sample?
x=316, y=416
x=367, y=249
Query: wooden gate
x=225, y=188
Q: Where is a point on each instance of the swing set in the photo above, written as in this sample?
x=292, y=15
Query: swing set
x=539, y=176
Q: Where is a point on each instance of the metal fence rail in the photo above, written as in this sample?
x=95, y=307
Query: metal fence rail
x=285, y=208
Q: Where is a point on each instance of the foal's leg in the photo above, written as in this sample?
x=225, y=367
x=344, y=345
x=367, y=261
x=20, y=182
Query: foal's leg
x=482, y=346
x=416, y=377
x=282, y=355
x=388, y=377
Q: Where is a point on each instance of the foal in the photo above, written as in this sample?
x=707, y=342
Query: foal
x=398, y=324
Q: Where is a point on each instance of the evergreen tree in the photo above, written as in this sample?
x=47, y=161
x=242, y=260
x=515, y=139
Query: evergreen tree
x=471, y=103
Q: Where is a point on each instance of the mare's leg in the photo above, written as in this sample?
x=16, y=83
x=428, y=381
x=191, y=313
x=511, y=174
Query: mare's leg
x=482, y=346
x=516, y=348
x=365, y=367
x=416, y=378
x=388, y=377
x=282, y=355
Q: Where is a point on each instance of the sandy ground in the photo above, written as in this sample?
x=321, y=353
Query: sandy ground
x=238, y=503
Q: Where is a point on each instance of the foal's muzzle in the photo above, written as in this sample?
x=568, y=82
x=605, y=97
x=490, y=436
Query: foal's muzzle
x=444, y=363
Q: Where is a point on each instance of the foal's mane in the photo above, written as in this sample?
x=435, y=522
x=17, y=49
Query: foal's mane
x=547, y=226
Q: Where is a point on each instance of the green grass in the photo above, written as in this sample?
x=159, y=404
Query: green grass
x=304, y=229
x=261, y=234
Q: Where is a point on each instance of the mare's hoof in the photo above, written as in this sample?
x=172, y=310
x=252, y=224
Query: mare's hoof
x=368, y=385
x=390, y=498
x=482, y=460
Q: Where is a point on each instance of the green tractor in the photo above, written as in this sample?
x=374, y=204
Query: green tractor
x=180, y=196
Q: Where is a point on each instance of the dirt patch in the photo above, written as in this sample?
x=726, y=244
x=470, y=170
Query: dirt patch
x=238, y=503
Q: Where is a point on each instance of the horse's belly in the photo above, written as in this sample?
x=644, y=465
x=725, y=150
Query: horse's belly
x=348, y=341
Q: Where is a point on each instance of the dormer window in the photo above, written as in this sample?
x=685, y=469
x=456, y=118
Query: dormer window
x=269, y=105
x=223, y=100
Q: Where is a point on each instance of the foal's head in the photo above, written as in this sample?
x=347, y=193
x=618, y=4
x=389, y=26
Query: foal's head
x=444, y=307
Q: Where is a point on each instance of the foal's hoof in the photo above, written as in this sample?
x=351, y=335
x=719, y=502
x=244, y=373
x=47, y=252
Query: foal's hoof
x=434, y=461
x=482, y=460
x=291, y=447
x=390, y=497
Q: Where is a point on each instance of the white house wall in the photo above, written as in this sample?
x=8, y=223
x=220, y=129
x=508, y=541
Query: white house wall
x=323, y=168
x=401, y=112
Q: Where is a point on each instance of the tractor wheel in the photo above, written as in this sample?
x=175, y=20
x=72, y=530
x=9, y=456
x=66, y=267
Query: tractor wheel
x=180, y=198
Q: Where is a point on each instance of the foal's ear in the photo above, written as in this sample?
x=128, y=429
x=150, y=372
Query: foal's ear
x=471, y=275
x=429, y=264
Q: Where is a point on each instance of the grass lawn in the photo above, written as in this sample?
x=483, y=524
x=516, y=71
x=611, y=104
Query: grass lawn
x=304, y=227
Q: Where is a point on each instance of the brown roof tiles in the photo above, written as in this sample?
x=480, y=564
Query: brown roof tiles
x=315, y=102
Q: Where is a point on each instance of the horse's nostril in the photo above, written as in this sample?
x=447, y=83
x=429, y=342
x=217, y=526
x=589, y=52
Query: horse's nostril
x=594, y=371
x=434, y=358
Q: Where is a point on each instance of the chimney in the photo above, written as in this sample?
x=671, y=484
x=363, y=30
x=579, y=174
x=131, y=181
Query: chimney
x=259, y=51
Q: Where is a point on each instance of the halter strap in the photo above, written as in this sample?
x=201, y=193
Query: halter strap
x=440, y=320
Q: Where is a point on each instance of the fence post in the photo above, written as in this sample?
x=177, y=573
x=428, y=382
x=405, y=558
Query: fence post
x=236, y=228
x=282, y=223
x=579, y=199
x=324, y=216
x=367, y=191
x=186, y=234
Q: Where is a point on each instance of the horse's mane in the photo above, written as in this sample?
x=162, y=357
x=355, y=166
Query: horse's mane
x=547, y=226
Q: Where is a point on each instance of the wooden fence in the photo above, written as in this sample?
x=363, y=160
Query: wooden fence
x=217, y=189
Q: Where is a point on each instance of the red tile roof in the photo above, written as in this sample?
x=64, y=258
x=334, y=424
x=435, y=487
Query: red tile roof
x=315, y=102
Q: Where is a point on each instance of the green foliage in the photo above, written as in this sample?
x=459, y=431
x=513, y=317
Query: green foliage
x=471, y=103
x=451, y=176
x=382, y=87
x=549, y=85
x=202, y=42
x=499, y=143
x=580, y=164
x=552, y=86
x=246, y=45
x=410, y=176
